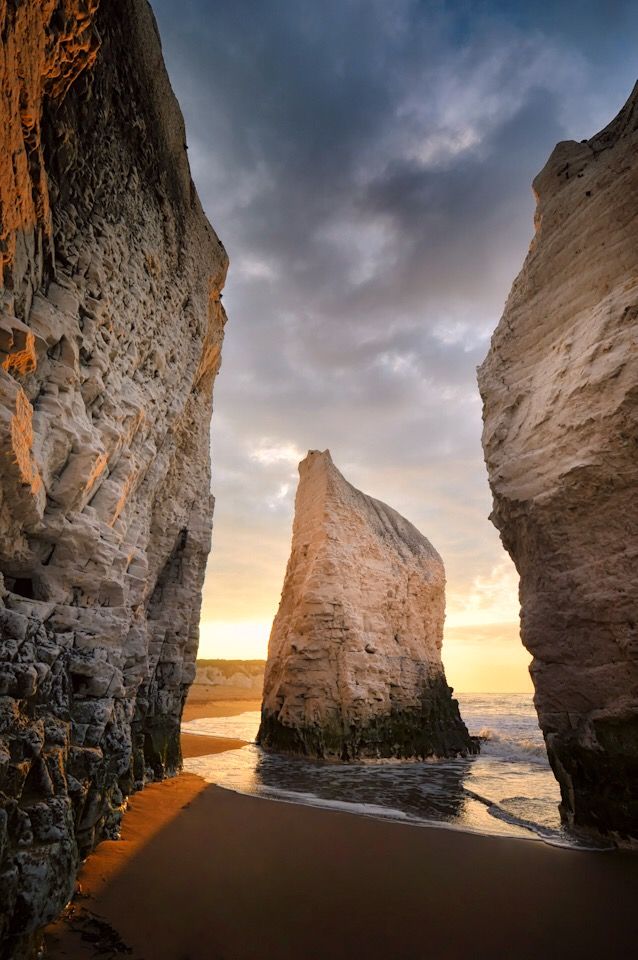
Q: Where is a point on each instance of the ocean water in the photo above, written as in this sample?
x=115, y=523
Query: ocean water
x=508, y=790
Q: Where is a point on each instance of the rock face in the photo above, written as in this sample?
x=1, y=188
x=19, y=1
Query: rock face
x=560, y=392
x=110, y=335
x=354, y=660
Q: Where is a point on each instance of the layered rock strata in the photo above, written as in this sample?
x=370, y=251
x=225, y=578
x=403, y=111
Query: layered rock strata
x=560, y=392
x=230, y=677
x=354, y=660
x=110, y=334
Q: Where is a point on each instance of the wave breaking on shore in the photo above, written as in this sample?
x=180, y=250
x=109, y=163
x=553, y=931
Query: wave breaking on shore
x=509, y=790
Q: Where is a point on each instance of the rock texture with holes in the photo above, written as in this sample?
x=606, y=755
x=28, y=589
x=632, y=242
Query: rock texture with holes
x=560, y=392
x=110, y=334
x=354, y=660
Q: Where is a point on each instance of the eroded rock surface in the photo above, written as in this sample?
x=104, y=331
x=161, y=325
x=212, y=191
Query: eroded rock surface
x=560, y=392
x=354, y=660
x=110, y=335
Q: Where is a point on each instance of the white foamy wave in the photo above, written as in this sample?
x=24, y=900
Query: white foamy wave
x=508, y=789
x=539, y=817
x=498, y=744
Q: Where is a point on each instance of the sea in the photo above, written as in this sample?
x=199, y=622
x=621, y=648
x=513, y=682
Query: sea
x=508, y=790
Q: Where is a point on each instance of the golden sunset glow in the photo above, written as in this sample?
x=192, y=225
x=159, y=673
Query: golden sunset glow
x=479, y=658
x=482, y=650
x=318, y=401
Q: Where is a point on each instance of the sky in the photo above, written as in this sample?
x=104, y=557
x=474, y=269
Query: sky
x=368, y=166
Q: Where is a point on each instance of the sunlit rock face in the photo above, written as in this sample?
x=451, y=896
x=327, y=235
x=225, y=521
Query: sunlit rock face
x=354, y=660
x=110, y=335
x=560, y=391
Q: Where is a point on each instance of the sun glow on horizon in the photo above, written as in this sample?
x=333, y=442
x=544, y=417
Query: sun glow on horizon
x=478, y=658
x=234, y=639
x=486, y=658
x=482, y=650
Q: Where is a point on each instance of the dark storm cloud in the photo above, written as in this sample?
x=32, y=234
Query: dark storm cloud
x=368, y=166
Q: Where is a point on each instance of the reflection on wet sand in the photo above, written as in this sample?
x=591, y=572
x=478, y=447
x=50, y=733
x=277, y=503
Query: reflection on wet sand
x=420, y=790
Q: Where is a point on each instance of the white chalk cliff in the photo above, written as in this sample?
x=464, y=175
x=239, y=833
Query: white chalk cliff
x=110, y=334
x=560, y=393
x=354, y=660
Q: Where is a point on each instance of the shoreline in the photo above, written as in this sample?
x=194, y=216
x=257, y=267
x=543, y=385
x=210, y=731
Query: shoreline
x=229, y=875
x=527, y=830
x=401, y=820
x=201, y=709
x=203, y=872
x=203, y=745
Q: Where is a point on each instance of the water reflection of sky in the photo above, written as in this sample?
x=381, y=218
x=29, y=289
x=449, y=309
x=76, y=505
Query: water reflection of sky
x=508, y=790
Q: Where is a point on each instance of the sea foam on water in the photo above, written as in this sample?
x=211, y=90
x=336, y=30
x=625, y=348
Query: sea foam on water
x=508, y=790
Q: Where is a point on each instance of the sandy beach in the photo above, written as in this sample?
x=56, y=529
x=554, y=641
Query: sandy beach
x=196, y=708
x=205, y=874
x=196, y=745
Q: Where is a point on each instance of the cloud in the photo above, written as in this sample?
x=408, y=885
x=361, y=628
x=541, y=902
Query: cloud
x=490, y=599
x=269, y=451
x=368, y=166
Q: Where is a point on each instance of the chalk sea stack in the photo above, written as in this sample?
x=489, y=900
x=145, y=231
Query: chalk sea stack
x=560, y=393
x=354, y=659
x=110, y=335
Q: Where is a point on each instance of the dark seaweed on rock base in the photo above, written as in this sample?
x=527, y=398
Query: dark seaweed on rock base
x=435, y=730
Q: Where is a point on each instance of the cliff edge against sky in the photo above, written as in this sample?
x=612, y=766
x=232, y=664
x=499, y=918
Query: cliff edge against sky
x=110, y=334
x=560, y=393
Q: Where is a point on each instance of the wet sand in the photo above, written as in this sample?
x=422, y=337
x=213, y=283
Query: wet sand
x=196, y=709
x=205, y=874
x=195, y=745
x=198, y=745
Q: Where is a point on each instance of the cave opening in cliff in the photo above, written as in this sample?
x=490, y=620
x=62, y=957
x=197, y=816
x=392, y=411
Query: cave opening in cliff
x=23, y=586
